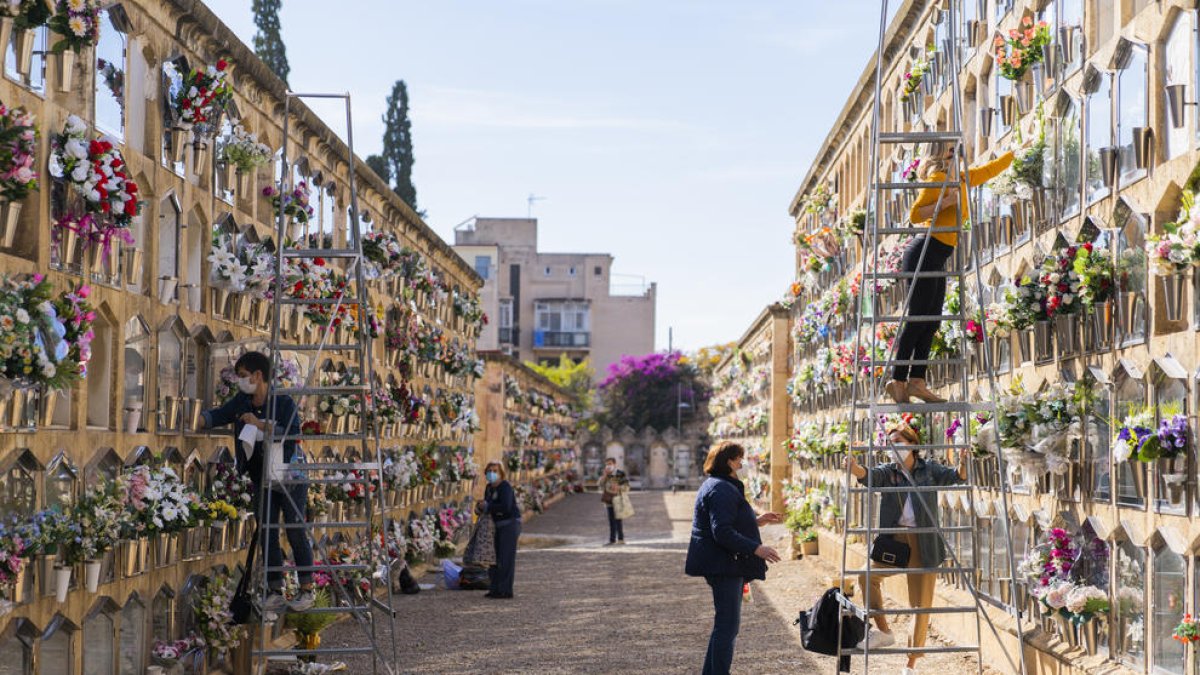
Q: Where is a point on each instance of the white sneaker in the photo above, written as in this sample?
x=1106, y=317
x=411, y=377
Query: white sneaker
x=908, y=671
x=274, y=602
x=301, y=602
x=877, y=639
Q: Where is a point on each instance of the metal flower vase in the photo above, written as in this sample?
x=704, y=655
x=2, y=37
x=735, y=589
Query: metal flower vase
x=179, y=139
x=10, y=215
x=1172, y=288
x=64, y=70
x=24, y=50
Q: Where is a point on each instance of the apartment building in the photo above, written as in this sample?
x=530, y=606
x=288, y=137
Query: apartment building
x=541, y=305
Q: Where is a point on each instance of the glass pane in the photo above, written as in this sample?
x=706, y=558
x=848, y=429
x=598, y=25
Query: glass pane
x=1131, y=603
x=55, y=653
x=110, y=78
x=1099, y=135
x=1169, y=581
x=133, y=638
x=98, y=638
x=37, y=71
x=1131, y=109
x=1071, y=128
x=18, y=657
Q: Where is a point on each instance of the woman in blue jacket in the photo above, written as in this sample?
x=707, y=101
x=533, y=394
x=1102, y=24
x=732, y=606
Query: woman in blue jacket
x=500, y=503
x=726, y=548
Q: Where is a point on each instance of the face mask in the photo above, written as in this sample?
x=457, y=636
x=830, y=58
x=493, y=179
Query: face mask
x=246, y=386
x=904, y=454
x=492, y=476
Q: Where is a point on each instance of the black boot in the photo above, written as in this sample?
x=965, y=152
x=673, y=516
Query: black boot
x=408, y=585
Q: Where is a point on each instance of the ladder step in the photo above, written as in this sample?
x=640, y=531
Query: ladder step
x=909, y=530
x=948, y=406
x=316, y=568
x=947, y=649
x=313, y=652
x=918, y=488
x=890, y=571
x=950, y=361
x=346, y=300
x=937, y=274
x=321, y=253
x=328, y=347
x=354, y=609
x=967, y=609
x=379, y=606
x=917, y=185
x=320, y=437
x=918, y=446
x=320, y=391
x=326, y=481
x=334, y=466
x=309, y=526
x=916, y=229
x=919, y=136
x=924, y=318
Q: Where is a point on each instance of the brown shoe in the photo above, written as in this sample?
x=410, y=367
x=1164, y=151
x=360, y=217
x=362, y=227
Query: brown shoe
x=898, y=390
x=917, y=387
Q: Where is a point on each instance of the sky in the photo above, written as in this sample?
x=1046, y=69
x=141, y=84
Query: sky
x=669, y=133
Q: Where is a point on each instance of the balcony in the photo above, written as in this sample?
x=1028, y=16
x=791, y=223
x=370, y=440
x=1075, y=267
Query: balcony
x=510, y=335
x=551, y=339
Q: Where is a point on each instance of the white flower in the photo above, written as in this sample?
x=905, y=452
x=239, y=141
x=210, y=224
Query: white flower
x=81, y=173
x=76, y=149
x=22, y=315
x=1122, y=450
x=56, y=167
x=75, y=126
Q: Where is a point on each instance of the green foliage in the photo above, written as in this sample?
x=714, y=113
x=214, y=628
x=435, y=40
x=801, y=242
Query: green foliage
x=398, y=146
x=380, y=166
x=268, y=41
x=312, y=624
x=575, y=378
x=706, y=359
x=800, y=519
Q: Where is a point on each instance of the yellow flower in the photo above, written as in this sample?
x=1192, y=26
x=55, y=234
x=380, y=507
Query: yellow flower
x=75, y=5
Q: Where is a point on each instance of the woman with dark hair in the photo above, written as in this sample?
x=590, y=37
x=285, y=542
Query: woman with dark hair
x=928, y=252
x=917, y=509
x=726, y=548
x=500, y=502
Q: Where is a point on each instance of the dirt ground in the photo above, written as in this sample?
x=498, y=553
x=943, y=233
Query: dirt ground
x=582, y=607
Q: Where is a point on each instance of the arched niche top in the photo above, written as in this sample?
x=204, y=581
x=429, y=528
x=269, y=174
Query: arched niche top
x=172, y=455
x=1168, y=537
x=1126, y=369
x=102, y=605
x=136, y=329
x=1166, y=367
x=1062, y=103
x=22, y=629
x=104, y=462
x=1020, y=513
x=1089, y=230
x=165, y=591
x=61, y=466
x=226, y=224
x=170, y=202
x=1126, y=211
x=221, y=455
x=1092, y=77
x=59, y=622
x=135, y=598
x=195, y=458
x=224, y=336
x=141, y=455
x=232, y=111
x=301, y=165
x=21, y=458
x=1122, y=53
x=174, y=324
x=202, y=334
x=1129, y=530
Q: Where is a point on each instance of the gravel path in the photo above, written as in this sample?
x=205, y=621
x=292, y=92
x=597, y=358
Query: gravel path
x=582, y=607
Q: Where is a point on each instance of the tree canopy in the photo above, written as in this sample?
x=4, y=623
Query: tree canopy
x=644, y=391
x=575, y=378
x=268, y=41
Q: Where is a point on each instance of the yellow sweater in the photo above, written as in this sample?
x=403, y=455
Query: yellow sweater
x=946, y=218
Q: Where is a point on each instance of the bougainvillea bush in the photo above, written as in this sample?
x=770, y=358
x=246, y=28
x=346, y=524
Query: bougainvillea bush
x=642, y=391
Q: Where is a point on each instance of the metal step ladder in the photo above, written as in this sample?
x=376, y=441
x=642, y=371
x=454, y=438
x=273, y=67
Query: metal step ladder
x=868, y=387
x=372, y=613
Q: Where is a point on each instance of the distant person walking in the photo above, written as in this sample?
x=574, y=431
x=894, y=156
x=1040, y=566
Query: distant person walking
x=613, y=484
x=726, y=548
x=500, y=502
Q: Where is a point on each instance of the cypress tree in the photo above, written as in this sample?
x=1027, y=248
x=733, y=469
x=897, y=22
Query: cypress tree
x=397, y=144
x=268, y=42
x=380, y=166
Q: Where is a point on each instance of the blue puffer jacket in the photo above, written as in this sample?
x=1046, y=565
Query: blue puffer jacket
x=724, y=533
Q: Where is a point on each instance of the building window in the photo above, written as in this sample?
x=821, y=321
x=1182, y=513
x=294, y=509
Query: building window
x=1099, y=134
x=18, y=485
x=1170, y=581
x=1070, y=37
x=1130, y=604
x=170, y=85
x=133, y=637
x=483, y=266
x=62, y=479
x=598, y=271
x=170, y=226
x=55, y=655
x=546, y=272
x=1178, y=55
x=111, y=67
x=16, y=643
x=1069, y=158
x=1133, y=101
x=571, y=271
x=99, y=644
x=1132, y=267
x=100, y=374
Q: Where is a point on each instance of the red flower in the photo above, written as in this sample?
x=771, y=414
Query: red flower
x=222, y=64
x=319, y=262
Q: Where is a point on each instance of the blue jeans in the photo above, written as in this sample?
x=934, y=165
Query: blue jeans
x=727, y=600
x=293, y=513
x=616, y=527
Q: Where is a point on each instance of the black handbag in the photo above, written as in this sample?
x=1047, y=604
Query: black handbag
x=888, y=551
x=241, y=606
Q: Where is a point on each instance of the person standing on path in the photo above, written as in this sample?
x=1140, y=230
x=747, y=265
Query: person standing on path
x=726, y=548
x=611, y=485
x=247, y=408
x=500, y=502
x=929, y=252
x=926, y=549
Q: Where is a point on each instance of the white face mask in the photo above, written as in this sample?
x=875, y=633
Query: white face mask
x=246, y=386
x=904, y=454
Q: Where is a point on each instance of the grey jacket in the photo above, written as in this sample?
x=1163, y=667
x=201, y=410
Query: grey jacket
x=933, y=552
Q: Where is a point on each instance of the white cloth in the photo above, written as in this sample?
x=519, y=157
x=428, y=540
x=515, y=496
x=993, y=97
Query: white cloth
x=249, y=437
x=907, y=517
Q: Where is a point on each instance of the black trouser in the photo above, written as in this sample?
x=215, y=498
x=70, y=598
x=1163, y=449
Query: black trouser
x=926, y=296
x=727, y=601
x=616, y=527
x=507, y=533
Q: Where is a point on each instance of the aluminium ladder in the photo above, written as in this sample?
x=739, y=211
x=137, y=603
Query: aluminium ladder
x=867, y=388
x=371, y=613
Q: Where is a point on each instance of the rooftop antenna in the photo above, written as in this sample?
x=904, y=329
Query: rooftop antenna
x=531, y=199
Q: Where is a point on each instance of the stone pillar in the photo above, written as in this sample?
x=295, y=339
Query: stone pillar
x=780, y=426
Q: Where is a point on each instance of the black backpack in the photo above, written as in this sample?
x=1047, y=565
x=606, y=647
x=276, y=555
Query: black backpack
x=819, y=628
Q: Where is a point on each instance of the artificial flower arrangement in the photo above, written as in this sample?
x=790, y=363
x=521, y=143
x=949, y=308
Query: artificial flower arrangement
x=820, y=199
x=1075, y=278
x=114, y=80
x=294, y=206
x=18, y=145
x=169, y=652
x=420, y=540
x=400, y=470
x=78, y=22
x=1138, y=438
x=384, y=253
x=1050, y=568
x=243, y=150
x=226, y=270
x=230, y=488
x=467, y=307
x=46, y=340
x=912, y=79
x=214, y=619
x=1178, y=247
x=912, y=171
x=1188, y=630
x=201, y=95
x=13, y=552
x=96, y=171
x=1032, y=428
x=959, y=433
x=1022, y=49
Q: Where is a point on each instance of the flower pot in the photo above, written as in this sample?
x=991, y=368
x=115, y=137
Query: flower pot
x=18, y=410
x=65, y=70
x=1023, y=92
x=133, y=418
x=1143, y=146
x=62, y=582
x=1044, y=341
x=48, y=403
x=155, y=670
x=1009, y=110
x=228, y=175
x=245, y=183
x=199, y=157
x=179, y=139
x=68, y=247
x=166, y=289
x=1172, y=286
x=91, y=575
x=10, y=213
x=243, y=309
x=133, y=266
x=809, y=547
x=193, y=408
x=1175, y=487
x=262, y=314
x=24, y=50
x=220, y=299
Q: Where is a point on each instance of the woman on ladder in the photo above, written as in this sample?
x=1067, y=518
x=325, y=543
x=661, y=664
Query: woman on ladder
x=929, y=252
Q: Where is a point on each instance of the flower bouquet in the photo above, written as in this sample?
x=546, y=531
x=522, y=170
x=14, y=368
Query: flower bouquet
x=1136, y=437
x=294, y=206
x=96, y=171
x=170, y=652
x=1178, y=247
x=1022, y=49
x=202, y=93
x=214, y=619
x=18, y=145
x=912, y=79
x=242, y=150
x=78, y=24
x=1188, y=630
x=233, y=489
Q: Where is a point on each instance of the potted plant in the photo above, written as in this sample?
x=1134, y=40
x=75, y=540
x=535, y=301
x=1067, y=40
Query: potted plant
x=308, y=627
x=1175, y=251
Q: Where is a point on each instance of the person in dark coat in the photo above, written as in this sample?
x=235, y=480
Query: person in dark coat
x=249, y=407
x=726, y=548
x=907, y=509
x=500, y=502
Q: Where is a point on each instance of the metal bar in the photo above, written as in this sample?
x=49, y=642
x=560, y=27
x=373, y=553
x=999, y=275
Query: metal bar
x=945, y=406
x=909, y=530
x=337, y=466
x=954, y=361
x=320, y=253
x=914, y=488
x=917, y=185
x=293, y=94
x=318, y=437
x=892, y=571
x=320, y=391
x=310, y=526
x=917, y=229
x=941, y=649
x=319, y=301
x=918, y=136
x=963, y=609
x=316, y=568
x=284, y=347
x=921, y=318
x=313, y=652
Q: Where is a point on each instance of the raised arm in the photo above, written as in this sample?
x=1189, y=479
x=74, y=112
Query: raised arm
x=989, y=170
